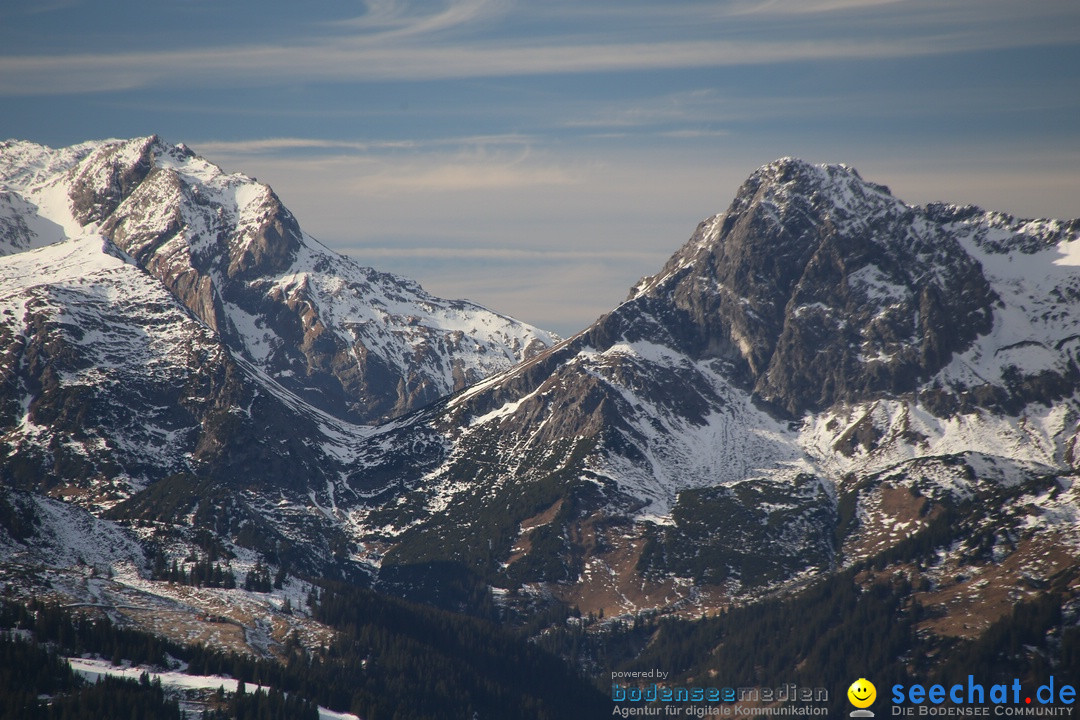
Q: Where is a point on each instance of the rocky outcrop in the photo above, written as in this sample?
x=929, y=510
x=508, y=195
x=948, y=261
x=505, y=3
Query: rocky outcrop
x=98, y=184
x=817, y=335
x=826, y=289
x=362, y=345
x=821, y=373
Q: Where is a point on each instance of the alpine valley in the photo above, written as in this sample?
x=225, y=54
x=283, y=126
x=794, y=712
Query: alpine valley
x=834, y=425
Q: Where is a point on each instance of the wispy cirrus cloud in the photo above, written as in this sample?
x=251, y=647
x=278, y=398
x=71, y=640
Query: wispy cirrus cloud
x=36, y=7
x=807, y=7
x=102, y=72
x=460, y=165
x=405, y=50
x=264, y=146
x=269, y=146
x=464, y=175
x=394, y=20
x=506, y=254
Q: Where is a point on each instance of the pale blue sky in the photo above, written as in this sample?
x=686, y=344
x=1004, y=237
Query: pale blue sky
x=539, y=157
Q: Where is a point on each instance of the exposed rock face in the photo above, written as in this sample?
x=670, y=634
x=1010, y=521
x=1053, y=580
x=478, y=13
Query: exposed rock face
x=110, y=384
x=821, y=372
x=362, y=345
x=98, y=184
x=175, y=349
x=826, y=288
x=803, y=345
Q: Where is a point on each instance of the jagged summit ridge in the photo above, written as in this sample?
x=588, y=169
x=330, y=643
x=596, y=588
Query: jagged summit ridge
x=826, y=288
x=814, y=368
x=817, y=334
x=357, y=343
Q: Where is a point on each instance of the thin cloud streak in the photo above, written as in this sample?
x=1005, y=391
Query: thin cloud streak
x=501, y=254
x=41, y=7
x=458, y=177
x=273, y=145
x=350, y=60
x=288, y=144
x=392, y=20
x=381, y=170
x=808, y=7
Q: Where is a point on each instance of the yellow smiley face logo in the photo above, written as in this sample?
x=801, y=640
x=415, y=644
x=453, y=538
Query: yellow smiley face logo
x=862, y=693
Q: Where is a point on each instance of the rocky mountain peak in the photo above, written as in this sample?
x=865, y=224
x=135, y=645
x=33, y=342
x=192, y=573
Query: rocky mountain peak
x=930, y=354
x=107, y=175
x=832, y=186
x=658, y=442
x=231, y=224
x=360, y=344
x=825, y=288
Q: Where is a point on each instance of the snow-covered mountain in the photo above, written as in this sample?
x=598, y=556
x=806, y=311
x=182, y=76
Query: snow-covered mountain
x=175, y=349
x=821, y=372
x=362, y=345
x=823, y=375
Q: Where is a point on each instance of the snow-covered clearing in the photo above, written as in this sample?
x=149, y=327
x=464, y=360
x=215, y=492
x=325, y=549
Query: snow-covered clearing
x=92, y=669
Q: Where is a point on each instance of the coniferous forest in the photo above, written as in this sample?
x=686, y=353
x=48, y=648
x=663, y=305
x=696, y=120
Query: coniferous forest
x=391, y=660
x=29, y=672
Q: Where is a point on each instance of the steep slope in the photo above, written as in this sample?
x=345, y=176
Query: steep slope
x=822, y=377
x=116, y=399
x=178, y=356
x=826, y=289
x=105, y=376
x=749, y=415
x=362, y=345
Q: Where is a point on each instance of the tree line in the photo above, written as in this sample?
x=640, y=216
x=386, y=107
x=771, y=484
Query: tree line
x=391, y=660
